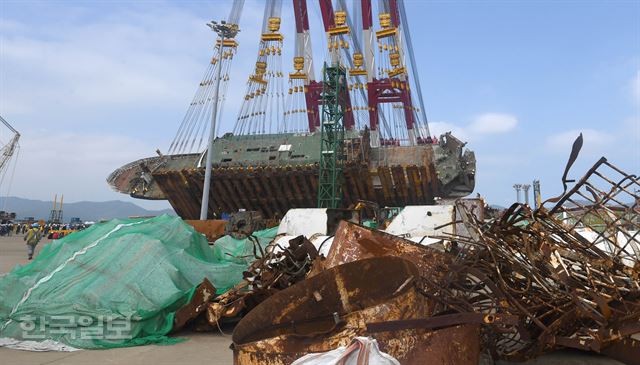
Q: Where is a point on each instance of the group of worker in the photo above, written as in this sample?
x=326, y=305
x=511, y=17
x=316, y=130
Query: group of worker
x=10, y=229
x=428, y=140
x=35, y=232
x=396, y=142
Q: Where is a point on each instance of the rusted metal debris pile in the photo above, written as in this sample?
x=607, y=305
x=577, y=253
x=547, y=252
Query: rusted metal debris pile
x=525, y=284
x=275, y=269
x=569, y=273
x=331, y=308
x=368, y=285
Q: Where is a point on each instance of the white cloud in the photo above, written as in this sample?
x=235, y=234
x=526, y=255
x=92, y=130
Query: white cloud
x=593, y=139
x=127, y=58
x=480, y=126
x=492, y=123
x=438, y=128
x=100, y=64
x=61, y=82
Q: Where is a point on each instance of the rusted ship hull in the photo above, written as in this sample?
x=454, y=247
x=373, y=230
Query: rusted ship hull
x=275, y=190
x=261, y=178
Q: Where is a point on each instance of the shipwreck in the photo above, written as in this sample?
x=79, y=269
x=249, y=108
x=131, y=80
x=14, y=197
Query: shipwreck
x=359, y=131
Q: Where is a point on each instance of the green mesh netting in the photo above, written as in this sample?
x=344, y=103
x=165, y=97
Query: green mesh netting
x=243, y=251
x=117, y=283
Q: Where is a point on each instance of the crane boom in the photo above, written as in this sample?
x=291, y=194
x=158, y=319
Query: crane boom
x=8, y=125
x=7, y=151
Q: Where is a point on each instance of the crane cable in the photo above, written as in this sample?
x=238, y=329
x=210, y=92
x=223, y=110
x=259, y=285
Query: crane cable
x=194, y=124
x=414, y=70
x=262, y=110
x=13, y=172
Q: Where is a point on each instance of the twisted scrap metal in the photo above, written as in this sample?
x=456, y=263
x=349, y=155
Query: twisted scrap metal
x=274, y=269
x=569, y=272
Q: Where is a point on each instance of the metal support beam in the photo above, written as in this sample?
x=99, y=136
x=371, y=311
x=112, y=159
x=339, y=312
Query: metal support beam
x=329, y=22
x=328, y=19
x=224, y=30
x=332, y=137
x=303, y=49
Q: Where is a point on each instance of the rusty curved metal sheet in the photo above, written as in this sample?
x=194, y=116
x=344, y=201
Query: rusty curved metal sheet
x=354, y=242
x=328, y=310
x=311, y=306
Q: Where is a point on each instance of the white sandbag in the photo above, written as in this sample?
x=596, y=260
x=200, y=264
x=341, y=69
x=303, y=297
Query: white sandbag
x=362, y=350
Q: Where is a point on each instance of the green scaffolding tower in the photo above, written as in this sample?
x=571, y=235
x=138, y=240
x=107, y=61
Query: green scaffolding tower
x=332, y=136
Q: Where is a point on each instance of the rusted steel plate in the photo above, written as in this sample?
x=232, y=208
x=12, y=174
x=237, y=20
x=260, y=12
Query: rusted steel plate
x=354, y=242
x=211, y=228
x=394, y=194
x=384, y=184
x=415, y=194
x=165, y=183
x=243, y=196
x=192, y=184
x=291, y=179
x=347, y=187
x=367, y=180
x=627, y=351
x=400, y=185
x=361, y=175
x=329, y=309
x=273, y=190
x=425, y=184
x=198, y=303
x=264, y=205
x=248, y=189
x=442, y=321
x=300, y=181
x=312, y=303
x=458, y=345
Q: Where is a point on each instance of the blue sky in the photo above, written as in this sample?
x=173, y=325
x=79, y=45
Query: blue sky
x=92, y=85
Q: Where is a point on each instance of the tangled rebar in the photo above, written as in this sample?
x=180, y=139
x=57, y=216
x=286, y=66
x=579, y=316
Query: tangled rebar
x=569, y=272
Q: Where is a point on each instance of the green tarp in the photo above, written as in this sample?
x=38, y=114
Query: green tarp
x=117, y=283
x=243, y=251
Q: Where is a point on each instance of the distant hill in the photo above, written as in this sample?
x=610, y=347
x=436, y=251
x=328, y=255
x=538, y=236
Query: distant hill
x=86, y=211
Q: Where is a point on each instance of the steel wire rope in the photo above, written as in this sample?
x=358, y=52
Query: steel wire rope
x=281, y=86
x=200, y=120
x=13, y=171
x=201, y=111
x=224, y=96
x=265, y=101
x=412, y=66
x=226, y=65
x=186, y=117
x=221, y=98
x=266, y=116
x=279, y=90
x=239, y=125
x=192, y=117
